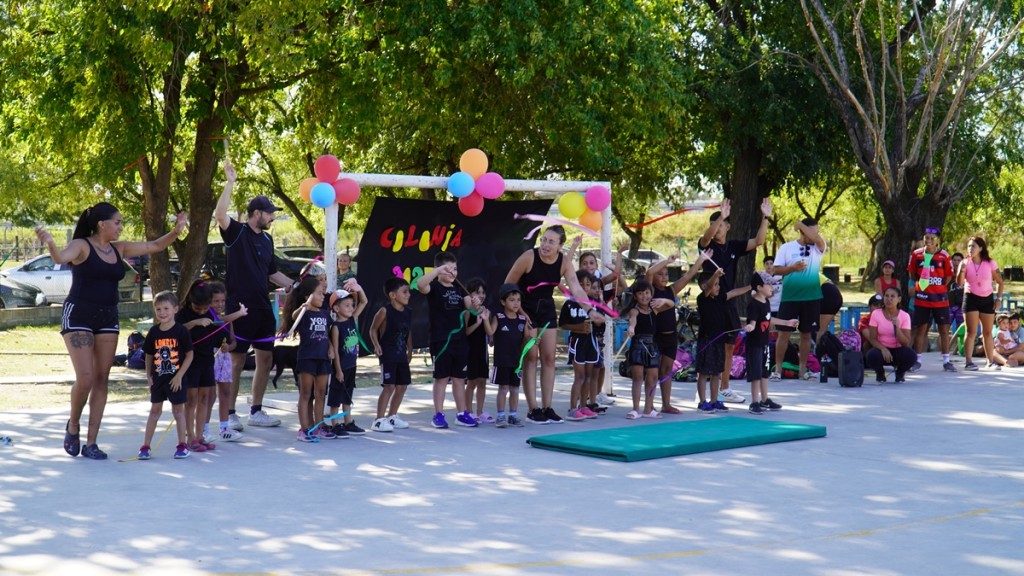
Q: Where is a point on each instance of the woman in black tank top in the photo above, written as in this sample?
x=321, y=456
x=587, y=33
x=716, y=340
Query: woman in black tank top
x=90, y=324
x=537, y=272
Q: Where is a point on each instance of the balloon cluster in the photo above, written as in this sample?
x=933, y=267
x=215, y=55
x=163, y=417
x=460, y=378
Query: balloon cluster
x=327, y=188
x=587, y=207
x=473, y=183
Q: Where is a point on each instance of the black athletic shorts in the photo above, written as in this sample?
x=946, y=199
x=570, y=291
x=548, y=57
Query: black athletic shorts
x=84, y=317
x=340, y=393
x=255, y=329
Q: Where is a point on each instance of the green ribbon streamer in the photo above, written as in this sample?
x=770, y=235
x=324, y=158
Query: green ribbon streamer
x=462, y=325
x=530, y=344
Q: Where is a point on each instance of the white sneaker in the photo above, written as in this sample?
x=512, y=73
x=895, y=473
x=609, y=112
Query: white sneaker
x=397, y=423
x=604, y=400
x=210, y=437
x=234, y=423
x=263, y=420
x=229, y=435
x=382, y=425
x=728, y=395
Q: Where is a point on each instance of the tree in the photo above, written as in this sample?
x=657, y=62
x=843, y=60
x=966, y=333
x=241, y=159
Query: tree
x=911, y=82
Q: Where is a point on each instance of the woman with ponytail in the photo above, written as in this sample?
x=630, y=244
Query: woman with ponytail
x=89, y=323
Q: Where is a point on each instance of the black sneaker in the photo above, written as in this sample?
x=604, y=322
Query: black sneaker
x=901, y=376
x=597, y=408
x=552, y=417
x=537, y=416
x=354, y=430
x=769, y=404
x=755, y=408
x=339, y=431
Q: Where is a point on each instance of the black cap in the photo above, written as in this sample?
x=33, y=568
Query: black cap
x=875, y=300
x=262, y=203
x=507, y=289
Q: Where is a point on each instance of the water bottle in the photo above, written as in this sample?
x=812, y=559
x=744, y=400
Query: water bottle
x=823, y=375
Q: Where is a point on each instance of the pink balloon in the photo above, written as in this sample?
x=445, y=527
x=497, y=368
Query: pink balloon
x=471, y=205
x=491, y=185
x=346, y=191
x=598, y=198
x=327, y=168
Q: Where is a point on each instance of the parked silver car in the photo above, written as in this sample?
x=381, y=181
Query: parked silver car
x=14, y=294
x=55, y=280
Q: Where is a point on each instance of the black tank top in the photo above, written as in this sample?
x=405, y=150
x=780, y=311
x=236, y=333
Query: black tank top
x=644, y=324
x=540, y=273
x=665, y=321
x=508, y=340
x=95, y=281
x=395, y=339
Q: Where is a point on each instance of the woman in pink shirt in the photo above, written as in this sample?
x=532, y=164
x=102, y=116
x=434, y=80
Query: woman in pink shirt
x=977, y=273
x=889, y=338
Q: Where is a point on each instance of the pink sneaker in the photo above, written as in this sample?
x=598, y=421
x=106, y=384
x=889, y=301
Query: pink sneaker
x=588, y=412
x=196, y=446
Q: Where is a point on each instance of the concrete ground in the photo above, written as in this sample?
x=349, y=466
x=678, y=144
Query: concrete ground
x=925, y=477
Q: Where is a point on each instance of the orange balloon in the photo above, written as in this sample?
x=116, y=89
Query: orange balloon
x=591, y=219
x=305, y=186
x=473, y=162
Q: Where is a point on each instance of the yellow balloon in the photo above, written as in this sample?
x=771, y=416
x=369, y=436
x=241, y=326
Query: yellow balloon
x=572, y=205
x=473, y=162
x=591, y=219
x=305, y=186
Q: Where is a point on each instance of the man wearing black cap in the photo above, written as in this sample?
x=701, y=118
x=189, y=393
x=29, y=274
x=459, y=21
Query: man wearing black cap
x=724, y=255
x=250, y=265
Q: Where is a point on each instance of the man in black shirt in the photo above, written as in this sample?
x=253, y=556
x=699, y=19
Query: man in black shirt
x=250, y=268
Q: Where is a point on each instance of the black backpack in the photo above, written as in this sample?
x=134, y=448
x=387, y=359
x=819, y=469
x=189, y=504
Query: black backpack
x=830, y=347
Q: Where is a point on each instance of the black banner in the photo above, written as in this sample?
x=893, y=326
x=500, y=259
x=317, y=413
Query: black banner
x=408, y=233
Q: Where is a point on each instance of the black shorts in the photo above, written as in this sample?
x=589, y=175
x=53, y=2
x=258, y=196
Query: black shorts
x=831, y=299
x=396, y=374
x=757, y=363
x=925, y=316
x=161, y=392
x=808, y=311
x=980, y=304
x=84, y=317
x=255, y=329
x=668, y=344
x=583, y=349
x=477, y=367
x=340, y=393
x=710, y=360
x=541, y=313
x=453, y=363
x=643, y=352
x=313, y=366
x=505, y=376
x=199, y=376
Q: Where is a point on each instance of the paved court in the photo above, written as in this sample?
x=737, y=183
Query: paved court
x=925, y=477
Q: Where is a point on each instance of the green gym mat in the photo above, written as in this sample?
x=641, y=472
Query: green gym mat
x=648, y=441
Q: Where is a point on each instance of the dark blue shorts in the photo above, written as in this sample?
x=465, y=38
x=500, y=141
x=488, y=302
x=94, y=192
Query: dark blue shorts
x=313, y=366
x=340, y=393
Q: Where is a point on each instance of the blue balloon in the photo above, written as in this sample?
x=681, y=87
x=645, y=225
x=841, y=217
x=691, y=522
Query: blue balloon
x=461, y=184
x=322, y=195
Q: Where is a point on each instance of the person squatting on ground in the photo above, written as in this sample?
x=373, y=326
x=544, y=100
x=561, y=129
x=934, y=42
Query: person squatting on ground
x=250, y=269
x=799, y=264
x=511, y=334
x=391, y=337
x=643, y=352
x=889, y=338
x=347, y=304
x=200, y=382
x=930, y=273
x=537, y=272
x=757, y=355
x=725, y=254
x=314, y=358
x=89, y=321
x=582, y=347
x=449, y=351
x=667, y=330
x=168, y=350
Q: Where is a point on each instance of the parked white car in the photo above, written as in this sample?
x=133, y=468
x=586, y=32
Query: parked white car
x=55, y=280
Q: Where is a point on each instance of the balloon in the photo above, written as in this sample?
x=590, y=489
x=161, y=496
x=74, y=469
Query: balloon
x=327, y=168
x=346, y=191
x=322, y=195
x=598, y=198
x=305, y=186
x=460, y=184
x=471, y=205
x=490, y=185
x=591, y=220
x=572, y=205
x=473, y=162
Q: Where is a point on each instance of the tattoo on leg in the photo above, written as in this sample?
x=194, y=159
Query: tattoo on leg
x=81, y=340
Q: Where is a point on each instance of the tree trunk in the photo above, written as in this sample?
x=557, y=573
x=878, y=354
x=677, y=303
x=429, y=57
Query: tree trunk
x=747, y=188
x=908, y=215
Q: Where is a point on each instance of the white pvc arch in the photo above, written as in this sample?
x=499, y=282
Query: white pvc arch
x=441, y=183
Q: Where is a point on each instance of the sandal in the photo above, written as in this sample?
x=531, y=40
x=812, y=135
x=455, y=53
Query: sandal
x=72, y=445
x=652, y=414
x=93, y=452
x=670, y=410
x=633, y=415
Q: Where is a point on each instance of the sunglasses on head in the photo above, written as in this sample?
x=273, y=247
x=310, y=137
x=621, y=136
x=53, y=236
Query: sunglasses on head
x=805, y=251
x=931, y=231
